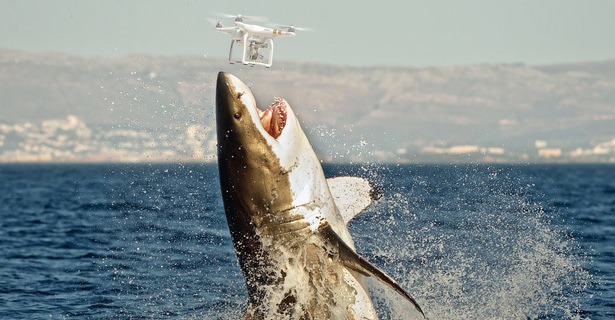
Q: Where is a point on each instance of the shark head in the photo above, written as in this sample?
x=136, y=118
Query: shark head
x=274, y=131
x=261, y=152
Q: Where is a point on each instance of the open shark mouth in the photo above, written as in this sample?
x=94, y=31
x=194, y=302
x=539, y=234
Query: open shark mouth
x=274, y=118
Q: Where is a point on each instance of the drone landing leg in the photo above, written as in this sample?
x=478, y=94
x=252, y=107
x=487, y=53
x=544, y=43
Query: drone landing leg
x=268, y=65
x=246, y=44
x=230, y=52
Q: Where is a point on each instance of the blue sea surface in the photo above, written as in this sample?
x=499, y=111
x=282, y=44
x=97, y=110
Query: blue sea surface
x=145, y=241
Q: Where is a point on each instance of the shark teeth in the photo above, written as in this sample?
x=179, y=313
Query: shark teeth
x=274, y=118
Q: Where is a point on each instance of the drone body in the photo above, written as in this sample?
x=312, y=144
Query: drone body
x=252, y=38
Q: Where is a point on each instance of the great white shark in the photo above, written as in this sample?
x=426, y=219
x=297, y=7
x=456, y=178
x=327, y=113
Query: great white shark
x=290, y=235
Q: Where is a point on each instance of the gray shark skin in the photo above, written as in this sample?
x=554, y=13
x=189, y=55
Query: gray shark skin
x=292, y=243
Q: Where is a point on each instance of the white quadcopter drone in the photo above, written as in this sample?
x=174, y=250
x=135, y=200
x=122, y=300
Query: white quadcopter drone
x=254, y=37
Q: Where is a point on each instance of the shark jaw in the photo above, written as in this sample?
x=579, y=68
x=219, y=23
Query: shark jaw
x=292, y=243
x=274, y=118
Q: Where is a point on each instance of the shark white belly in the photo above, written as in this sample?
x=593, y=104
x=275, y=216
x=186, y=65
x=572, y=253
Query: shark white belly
x=291, y=239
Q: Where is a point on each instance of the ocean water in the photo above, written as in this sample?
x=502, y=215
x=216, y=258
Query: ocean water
x=151, y=241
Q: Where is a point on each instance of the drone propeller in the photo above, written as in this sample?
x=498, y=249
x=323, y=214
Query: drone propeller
x=214, y=22
x=292, y=28
x=240, y=17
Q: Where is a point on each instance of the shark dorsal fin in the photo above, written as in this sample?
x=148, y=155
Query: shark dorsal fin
x=352, y=195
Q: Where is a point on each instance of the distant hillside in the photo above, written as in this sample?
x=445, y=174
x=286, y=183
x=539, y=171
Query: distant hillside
x=468, y=113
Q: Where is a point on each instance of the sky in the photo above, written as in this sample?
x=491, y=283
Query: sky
x=355, y=33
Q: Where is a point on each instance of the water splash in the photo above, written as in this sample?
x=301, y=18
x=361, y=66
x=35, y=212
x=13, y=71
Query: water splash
x=473, y=247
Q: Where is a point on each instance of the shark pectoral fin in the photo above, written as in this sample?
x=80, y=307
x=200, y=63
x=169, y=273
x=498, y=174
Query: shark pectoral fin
x=354, y=261
x=352, y=195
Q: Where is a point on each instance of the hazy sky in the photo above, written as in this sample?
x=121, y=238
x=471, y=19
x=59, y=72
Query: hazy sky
x=359, y=32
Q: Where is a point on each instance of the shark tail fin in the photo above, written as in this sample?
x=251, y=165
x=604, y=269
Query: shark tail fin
x=355, y=262
x=352, y=195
